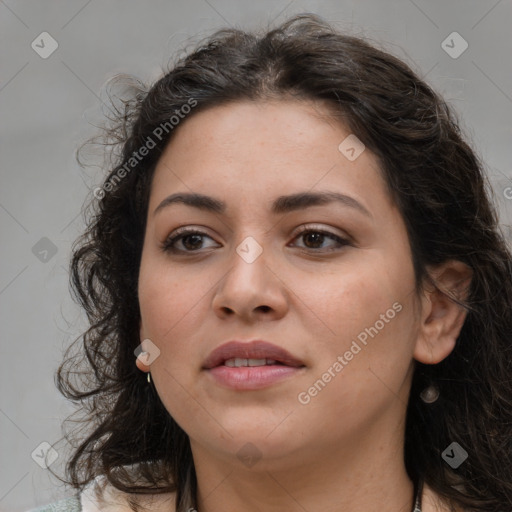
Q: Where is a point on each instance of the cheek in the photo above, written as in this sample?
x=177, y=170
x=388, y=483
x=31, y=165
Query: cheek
x=371, y=328
x=169, y=304
x=366, y=312
x=355, y=297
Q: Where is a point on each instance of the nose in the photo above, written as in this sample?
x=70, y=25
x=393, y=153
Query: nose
x=251, y=291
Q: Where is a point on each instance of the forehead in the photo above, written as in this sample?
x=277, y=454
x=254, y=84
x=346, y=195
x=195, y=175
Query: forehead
x=255, y=149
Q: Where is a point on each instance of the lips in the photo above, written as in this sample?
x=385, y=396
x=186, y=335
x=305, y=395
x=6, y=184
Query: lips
x=254, y=353
x=251, y=366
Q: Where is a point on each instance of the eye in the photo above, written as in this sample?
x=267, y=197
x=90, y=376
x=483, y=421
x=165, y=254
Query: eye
x=315, y=237
x=190, y=240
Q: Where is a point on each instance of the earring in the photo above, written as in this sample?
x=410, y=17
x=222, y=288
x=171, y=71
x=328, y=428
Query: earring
x=149, y=378
x=430, y=394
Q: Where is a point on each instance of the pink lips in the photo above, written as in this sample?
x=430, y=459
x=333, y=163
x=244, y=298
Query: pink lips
x=250, y=377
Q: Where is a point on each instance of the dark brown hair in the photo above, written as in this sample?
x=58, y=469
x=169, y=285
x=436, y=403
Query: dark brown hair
x=433, y=176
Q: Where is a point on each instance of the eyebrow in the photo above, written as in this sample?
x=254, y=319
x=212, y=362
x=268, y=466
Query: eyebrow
x=281, y=205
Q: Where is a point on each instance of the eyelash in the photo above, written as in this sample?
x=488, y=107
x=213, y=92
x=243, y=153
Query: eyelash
x=180, y=233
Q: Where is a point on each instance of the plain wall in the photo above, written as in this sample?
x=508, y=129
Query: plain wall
x=47, y=107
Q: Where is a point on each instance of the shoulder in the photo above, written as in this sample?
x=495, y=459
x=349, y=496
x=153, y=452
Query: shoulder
x=65, y=505
x=102, y=496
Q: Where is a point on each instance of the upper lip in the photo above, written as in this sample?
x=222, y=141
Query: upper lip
x=257, y=349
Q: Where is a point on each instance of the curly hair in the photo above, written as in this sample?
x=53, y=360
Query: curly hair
x=433, y=176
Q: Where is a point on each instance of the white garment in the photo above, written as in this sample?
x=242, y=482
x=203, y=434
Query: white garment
x=101, y=496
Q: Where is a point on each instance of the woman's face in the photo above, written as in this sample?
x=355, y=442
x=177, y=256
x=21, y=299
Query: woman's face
x=338, y=298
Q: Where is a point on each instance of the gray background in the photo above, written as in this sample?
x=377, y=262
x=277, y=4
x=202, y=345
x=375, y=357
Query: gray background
x=49, y=106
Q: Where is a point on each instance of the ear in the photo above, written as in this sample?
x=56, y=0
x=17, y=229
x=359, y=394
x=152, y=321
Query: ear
x=441, y=318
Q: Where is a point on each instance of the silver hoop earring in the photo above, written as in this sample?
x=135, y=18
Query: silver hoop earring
x=430, y=394
x=149, y=378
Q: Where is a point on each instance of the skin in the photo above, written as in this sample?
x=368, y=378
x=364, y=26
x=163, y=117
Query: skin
x=344, y=449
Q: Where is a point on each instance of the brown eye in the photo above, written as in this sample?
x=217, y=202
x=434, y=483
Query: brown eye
x=312, y=239
x=190, y=241
x=315, y=238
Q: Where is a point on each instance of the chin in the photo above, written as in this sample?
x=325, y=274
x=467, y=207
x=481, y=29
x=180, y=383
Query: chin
x=262, y=438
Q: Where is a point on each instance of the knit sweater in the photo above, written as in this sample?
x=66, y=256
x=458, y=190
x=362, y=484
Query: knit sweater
x=66, y=505
x=100, y=496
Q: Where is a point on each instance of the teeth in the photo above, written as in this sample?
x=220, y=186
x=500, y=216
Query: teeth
x=238, y=362
x=256, y=362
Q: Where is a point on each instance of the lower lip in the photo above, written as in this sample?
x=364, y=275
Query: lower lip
x=251, y=377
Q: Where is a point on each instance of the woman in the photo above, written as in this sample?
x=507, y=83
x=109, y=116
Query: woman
x=297, y=250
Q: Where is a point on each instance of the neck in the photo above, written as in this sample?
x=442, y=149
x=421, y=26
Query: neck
x=363, y=475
